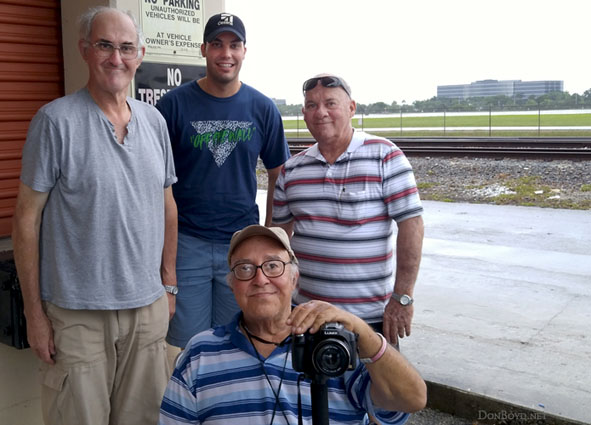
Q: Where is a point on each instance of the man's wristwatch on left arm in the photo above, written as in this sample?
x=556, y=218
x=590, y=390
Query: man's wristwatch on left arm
x=171, y=289
x=404, y=300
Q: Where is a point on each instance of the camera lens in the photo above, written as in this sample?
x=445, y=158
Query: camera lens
x=331, y=358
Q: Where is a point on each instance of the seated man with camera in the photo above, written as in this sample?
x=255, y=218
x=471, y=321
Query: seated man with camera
x=261, y=367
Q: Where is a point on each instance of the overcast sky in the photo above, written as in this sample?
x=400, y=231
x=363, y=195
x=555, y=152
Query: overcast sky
x=402, y=50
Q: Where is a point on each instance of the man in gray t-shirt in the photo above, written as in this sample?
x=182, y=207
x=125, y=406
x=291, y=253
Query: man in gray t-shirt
x=95, y=234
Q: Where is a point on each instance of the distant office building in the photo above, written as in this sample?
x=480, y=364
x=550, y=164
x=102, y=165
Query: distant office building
x=279, y=101
x=537, y=88
x=496, y=88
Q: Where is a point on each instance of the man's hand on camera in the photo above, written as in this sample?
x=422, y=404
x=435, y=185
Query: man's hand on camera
x=312, y=315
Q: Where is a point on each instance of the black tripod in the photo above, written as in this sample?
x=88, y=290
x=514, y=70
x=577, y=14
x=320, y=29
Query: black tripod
x=319, y=400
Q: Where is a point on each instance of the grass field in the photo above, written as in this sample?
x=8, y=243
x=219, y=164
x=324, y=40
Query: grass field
x=467, y=121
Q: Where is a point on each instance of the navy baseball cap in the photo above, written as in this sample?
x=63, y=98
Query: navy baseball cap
x=223, y=22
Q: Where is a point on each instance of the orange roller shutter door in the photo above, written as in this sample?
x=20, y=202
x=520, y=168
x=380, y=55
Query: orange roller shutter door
x=31, y=74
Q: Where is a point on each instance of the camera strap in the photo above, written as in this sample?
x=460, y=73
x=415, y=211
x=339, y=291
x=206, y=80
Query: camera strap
x=250, y=335
x=301, y=377
x=262, y=363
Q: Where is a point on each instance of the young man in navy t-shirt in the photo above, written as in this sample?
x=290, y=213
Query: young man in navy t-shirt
x=218, y=127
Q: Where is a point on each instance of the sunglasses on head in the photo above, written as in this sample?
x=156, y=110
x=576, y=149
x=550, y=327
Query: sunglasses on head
x=328, y=81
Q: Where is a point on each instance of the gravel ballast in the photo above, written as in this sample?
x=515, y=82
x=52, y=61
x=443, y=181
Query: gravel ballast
x=526, y=182
x=554, y=184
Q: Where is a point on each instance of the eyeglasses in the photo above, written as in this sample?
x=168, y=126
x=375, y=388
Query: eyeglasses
x=270, y=268
x=106, y=49
x=328, y=81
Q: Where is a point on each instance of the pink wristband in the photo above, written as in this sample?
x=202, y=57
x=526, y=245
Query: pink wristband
x=379, y=354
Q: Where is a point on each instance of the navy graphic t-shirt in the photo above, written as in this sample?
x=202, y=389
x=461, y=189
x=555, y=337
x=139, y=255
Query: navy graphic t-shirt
x=216, y=143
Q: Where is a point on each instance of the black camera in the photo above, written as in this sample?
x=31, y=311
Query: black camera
x=330, y=352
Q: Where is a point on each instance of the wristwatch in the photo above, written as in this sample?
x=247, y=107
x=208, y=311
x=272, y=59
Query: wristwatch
x=403, y=299
x=171, y=289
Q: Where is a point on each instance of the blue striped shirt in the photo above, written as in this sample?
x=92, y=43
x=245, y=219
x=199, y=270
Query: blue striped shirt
x=219, y=379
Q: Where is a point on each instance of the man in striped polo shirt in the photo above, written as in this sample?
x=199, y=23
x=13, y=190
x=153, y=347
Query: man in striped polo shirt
x=341, y=198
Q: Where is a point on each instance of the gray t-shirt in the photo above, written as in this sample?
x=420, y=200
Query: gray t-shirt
x=102, y=230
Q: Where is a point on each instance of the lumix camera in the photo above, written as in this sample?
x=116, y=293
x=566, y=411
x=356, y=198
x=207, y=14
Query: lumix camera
x=330, y=352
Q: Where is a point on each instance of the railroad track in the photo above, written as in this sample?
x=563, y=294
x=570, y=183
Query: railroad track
x=574, y=148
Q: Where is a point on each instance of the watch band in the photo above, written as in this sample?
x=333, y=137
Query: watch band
x=404, y=299
x=171, y=289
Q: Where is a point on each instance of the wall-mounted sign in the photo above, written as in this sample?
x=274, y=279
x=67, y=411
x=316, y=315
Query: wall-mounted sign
x=172, y=27
x=153, y=80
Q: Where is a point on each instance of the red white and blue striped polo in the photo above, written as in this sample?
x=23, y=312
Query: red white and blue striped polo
x=344, y=217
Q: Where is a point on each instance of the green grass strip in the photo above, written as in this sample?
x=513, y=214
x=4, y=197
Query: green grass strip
x=551, y=120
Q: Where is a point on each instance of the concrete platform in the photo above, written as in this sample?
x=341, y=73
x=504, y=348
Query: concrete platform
x=503, y=305
x=503, y=310
x=502, y=318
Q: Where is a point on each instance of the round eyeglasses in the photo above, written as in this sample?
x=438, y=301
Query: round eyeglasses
x=270, y=268
x=106, y=49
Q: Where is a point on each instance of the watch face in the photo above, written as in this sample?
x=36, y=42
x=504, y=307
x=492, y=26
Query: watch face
x=405, y=300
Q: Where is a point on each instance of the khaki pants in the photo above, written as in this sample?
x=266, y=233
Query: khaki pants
x=111, y=366
x=173, y=355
